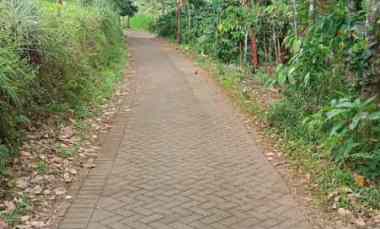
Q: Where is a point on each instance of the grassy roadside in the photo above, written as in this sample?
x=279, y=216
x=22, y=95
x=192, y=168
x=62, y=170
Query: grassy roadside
x=55, y=87
x=334, y=188
x=48, y=71
x=66, y=145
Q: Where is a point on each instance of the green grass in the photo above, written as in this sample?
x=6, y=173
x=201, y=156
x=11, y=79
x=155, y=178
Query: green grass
x=42, y=167
x=142, y=22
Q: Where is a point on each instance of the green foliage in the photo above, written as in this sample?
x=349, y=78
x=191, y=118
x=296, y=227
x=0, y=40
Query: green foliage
x=5, y=155
x=217, y=28
x=309, y=74
x=353, y=130
x=66, y=151
x=13, y=217
x=52, y=59
x=317, y=74
x=42, y=167
x=166, y=25
x=142, y=23
x=126, y=7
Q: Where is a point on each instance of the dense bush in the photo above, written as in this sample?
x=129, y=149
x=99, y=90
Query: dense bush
x=142, y=22
x=52, y=59
x=166, y=25
x=215, y=28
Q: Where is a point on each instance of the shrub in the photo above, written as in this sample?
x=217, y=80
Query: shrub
x=52, y=59
x=352, y=128
x=166, y=25
x=142, y=22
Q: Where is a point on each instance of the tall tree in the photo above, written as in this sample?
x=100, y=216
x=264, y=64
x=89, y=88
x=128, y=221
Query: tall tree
x=373, y=31
x=127, y=8
x=295, y=17
x=180, y=5
x=312, y=11
x=254, y=50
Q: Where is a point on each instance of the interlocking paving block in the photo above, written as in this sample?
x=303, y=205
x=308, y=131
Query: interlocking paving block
x=181, y=158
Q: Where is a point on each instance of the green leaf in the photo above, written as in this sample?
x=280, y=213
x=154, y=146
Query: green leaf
x=345, y=105
x=307, y=79
x=336, y=129
x=296, y=46
x=4, y=150
x=356, y=120
x=334, y=113
x=292, y=70
x=374, y=116
x=282, y=77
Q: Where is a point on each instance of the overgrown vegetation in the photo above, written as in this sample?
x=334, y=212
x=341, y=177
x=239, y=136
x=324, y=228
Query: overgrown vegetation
x=55, y=59
x=323, y=56
x=142, y=22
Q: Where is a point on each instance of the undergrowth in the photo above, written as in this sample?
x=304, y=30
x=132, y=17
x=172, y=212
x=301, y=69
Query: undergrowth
x=21, y=208
x=142, y=22
x=55, y=60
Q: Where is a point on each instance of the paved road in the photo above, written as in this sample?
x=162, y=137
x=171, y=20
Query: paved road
x=180, y=157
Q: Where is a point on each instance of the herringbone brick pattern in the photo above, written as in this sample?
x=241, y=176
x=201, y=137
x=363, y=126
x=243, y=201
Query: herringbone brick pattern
x=184, y=160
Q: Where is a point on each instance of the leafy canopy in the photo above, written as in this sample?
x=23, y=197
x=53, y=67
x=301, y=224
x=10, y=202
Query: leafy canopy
x=127, y=7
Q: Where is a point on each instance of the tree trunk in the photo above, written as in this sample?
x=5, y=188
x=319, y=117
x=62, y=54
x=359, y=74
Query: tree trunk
x=274, y=38
x=178, y=16
x=295, y=17
x=372, y=78
x=241, y=50
x=189, y=17
x=245, y=45
x=255, y=53
x=312, y=11
x=266, y=50
x=163, y=7
x=280, y=53
x=60, y=8
x=128, y=22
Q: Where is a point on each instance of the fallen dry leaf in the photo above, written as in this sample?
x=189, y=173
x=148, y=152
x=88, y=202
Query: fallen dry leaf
x=36, y=190
x=73, y=171
x=361, y=181
x=25, y=218
x=344, y=212
x=67, y=132
x=3, y=225
x=38, y=224
x=359, y=222
x=21, y=183
x=90, y=164
x=10, y=206
x=67, y=178
x=60, y=191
